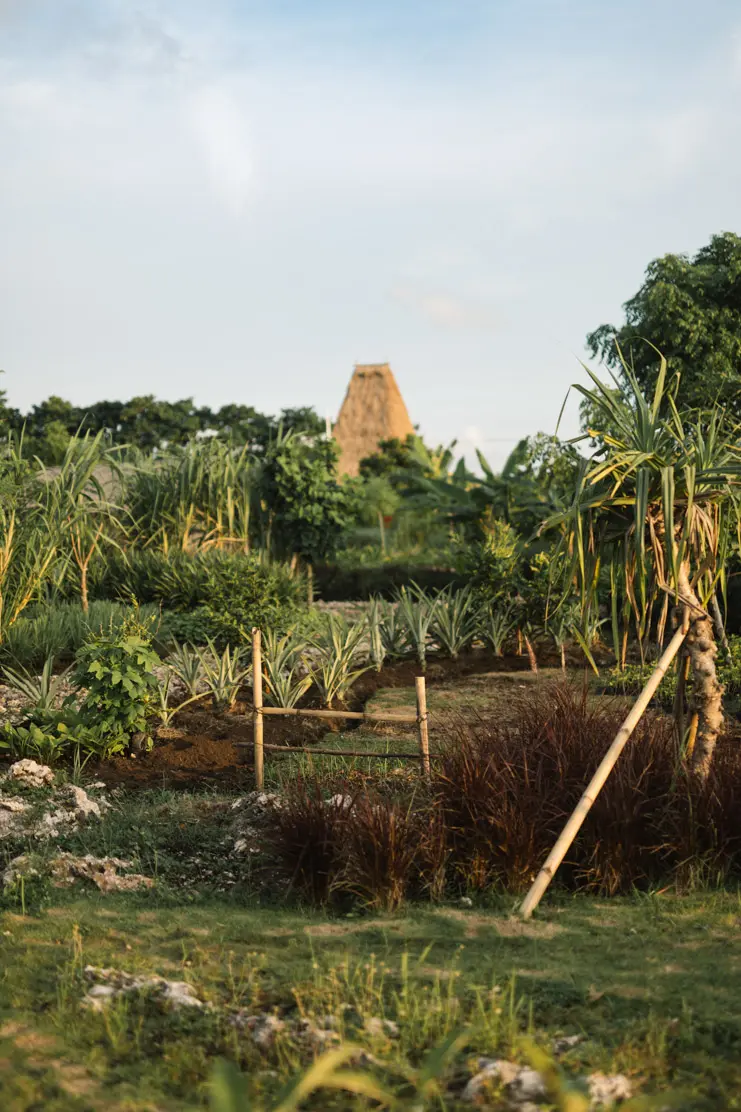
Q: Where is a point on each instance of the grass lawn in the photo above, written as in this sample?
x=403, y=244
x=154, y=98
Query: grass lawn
x=651, y=982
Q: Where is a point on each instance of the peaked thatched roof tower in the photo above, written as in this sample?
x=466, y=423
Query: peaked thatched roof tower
x=373, y=410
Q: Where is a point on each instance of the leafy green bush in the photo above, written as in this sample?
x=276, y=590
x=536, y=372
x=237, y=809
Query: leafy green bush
x=243, y=593
x=175, y=578
x=209, y=595
x=490, y=566
x=117, y=669
x=192, y=627
x=60, y=736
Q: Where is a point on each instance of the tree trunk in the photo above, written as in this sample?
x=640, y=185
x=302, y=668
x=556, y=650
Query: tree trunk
x=382, y=531
x=563, y=657
x=707, y=692
x=720, y=629
x=531, y=655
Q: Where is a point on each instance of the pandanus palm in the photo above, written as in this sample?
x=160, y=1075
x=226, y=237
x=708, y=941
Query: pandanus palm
x=655, y=504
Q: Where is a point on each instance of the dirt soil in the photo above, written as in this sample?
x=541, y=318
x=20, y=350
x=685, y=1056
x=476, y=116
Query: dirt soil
x=204, y=748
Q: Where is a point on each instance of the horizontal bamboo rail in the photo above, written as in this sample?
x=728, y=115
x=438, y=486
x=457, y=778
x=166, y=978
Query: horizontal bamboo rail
x=342, y=752
x=259, y=711
x=293, y=712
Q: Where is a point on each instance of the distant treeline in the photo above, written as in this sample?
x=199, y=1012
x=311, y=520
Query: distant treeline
x=148, y=423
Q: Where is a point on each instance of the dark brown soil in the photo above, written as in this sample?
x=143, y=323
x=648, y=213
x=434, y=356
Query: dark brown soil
x=201, y=749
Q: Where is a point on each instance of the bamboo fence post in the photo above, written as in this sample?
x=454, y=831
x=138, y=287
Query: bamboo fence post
x=572, y=827
x=424, y=738
x=257, y=718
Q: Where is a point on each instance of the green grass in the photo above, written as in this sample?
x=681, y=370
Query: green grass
x=651, y=981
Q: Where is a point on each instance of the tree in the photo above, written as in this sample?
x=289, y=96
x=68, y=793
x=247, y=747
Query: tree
x=307, y=510
x=655, y=506
x=689, y=308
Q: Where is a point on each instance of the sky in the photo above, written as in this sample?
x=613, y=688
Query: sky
x=237, y=201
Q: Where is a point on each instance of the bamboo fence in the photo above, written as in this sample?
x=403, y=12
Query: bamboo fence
x=259, y=711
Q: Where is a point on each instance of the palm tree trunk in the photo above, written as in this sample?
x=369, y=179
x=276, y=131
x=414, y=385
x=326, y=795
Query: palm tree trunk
x=720, y=629
x=707, y=692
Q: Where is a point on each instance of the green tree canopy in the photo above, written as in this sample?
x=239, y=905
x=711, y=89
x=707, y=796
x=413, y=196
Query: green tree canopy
x=689, y=308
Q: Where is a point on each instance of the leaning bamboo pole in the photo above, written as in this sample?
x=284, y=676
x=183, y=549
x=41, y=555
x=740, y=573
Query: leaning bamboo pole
x=424, y=739
x=572, y=827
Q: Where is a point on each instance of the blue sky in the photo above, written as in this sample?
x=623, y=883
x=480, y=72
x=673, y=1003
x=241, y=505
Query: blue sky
x=238, y=200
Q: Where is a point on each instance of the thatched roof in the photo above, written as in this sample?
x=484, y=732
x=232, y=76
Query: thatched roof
x=373, y=410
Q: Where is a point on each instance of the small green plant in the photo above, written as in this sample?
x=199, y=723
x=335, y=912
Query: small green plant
x=186, y=663
x=454, y=620
x=117, y=668
x=163, y=710
x=392, y=630
x=416, y=611
x=37, y=742
x=286, y=677
x=50, y=741
x=42, y=691
x=339, y=650
x=223, y=674
x=496, y=623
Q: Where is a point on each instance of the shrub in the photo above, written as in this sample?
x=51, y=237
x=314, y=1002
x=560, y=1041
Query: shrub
x=500, y=796
x=241, y=593
x=380, y=850
x=506, y=788
x=308, y=836
x=194, y=627
x=218, y=594
x=117, y=668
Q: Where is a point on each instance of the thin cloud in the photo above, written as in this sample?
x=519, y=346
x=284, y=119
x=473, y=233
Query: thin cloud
x=448, y=310
x=221, y=132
